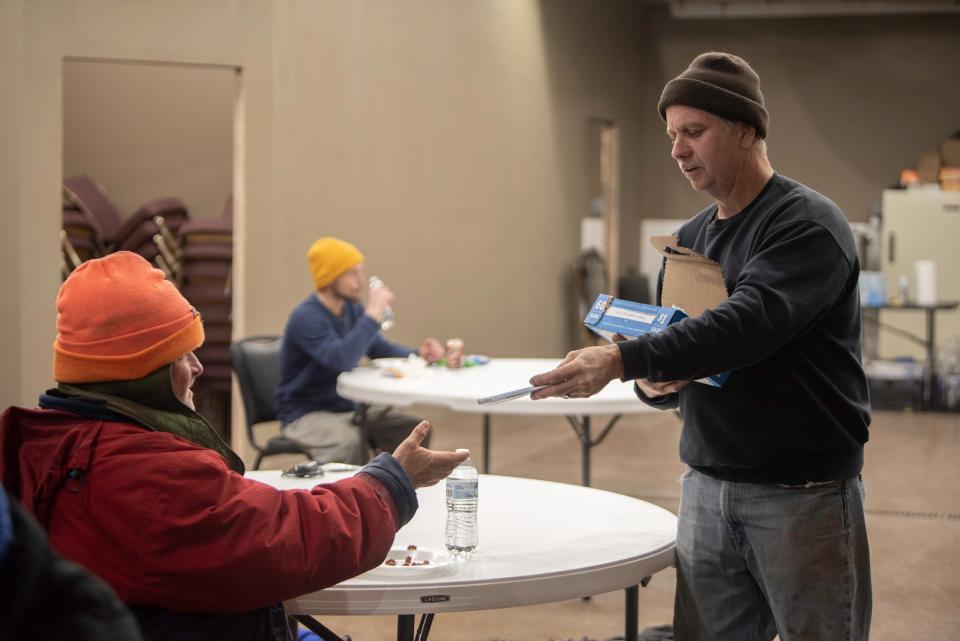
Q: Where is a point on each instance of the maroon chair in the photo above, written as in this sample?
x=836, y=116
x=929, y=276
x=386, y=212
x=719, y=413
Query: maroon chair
x=205, y=280
x=149, y=231
x=207, y=258
x=215, y=230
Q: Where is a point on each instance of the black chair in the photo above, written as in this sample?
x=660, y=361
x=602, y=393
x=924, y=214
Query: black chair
x=256, y=362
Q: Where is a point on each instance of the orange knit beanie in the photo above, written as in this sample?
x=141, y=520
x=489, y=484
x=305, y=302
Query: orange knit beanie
x=119, y=319
x=329, y=257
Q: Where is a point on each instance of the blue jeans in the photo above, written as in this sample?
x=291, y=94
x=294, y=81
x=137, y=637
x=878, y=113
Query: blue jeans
x=757, y=560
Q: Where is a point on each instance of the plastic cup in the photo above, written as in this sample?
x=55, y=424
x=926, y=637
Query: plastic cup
x=454, y=354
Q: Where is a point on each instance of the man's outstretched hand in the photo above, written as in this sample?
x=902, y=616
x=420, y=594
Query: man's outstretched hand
x=582, y=373
x=425, y=467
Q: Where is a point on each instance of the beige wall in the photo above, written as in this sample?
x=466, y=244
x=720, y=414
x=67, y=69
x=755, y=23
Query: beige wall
x=427, y=134
x=451, y=150
x=35, y=38
x=430, y=146
x=448, y=140
x=145, y=131
x=11, y=122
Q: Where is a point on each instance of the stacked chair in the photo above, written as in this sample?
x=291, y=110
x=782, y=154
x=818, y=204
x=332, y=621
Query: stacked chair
x=195, y=254
x=150, y=231
x=206, y=266
x=78, y=238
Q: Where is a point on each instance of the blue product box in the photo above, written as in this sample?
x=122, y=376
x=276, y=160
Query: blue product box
x=609, y=316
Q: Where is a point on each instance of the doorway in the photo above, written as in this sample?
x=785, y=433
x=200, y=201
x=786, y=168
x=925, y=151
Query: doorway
x=149, y=166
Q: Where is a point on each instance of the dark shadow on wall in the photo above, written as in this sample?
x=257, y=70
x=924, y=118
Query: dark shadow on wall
x=852, y=100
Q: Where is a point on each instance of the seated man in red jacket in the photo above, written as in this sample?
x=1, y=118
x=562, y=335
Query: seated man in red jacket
x=136, y=486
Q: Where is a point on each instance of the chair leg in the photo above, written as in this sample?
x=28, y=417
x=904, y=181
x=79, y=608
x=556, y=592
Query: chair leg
x=256, y=462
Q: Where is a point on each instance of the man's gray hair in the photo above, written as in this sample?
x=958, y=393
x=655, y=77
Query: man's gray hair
x=760, y=144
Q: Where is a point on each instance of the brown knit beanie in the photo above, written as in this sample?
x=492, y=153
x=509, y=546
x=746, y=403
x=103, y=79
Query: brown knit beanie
x=119, y=320
x=722, y=84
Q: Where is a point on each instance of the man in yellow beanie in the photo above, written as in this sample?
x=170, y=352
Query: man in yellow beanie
x=135, y=485
x=328, y=334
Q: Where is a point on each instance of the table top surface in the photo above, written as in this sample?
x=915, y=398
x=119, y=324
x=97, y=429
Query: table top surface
x=539, y=542
x=943, y=305
x=459, y=389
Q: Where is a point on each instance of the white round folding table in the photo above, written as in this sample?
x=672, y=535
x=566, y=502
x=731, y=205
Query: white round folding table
x=540, y=542
x=459, y=389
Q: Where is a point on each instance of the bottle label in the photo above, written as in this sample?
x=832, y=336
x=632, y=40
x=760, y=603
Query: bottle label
x=462, y=490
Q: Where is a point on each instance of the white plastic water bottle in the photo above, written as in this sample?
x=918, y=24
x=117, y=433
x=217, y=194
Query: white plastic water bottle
x=387, y=322
x=462, y=495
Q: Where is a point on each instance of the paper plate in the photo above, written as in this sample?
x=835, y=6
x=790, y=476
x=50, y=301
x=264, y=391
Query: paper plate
x=400, y=367
x=383, y=363
x=436, y=560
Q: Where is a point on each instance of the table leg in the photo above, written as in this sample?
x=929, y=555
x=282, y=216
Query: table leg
x=632, y=612
x=360, y=420
x=929, y=378
x=405, y=627
x=317, y=628
x=486, y=443
x=581, y=427
x=585, y=446
x=423, y=630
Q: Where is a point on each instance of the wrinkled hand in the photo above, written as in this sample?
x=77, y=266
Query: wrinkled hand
x=378, y=299
x=425, y=467
x=582, y=373
x=431, y=350
x=652, y=390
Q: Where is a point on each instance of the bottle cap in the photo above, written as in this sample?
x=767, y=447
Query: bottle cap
x=463, y=450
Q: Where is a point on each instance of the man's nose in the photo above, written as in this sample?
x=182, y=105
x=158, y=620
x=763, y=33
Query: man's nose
x=196, y=367
x=679, y=150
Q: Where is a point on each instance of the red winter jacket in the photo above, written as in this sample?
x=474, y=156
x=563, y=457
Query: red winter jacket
x=167, y=523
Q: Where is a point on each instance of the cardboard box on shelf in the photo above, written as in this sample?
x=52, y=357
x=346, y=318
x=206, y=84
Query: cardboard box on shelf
x=950, y=152
x=950, y=178
x=928, y=166
x=691, y=284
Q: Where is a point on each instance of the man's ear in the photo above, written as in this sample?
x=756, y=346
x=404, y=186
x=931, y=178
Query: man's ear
x=748, y=135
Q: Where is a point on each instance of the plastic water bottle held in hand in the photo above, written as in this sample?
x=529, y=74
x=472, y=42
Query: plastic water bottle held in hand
x=462, y=495
x=388, y=311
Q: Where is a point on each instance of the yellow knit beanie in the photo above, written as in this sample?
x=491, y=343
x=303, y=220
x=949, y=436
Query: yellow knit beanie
x=329, y=257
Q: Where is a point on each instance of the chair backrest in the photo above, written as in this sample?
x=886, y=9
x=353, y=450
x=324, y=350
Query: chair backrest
x=91, y=198
x=256, y=362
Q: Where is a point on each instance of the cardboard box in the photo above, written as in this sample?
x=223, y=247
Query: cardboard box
x=950, y=178
x=610, y=316
x=928, y=166
x=691, y=284
x=950, y=152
